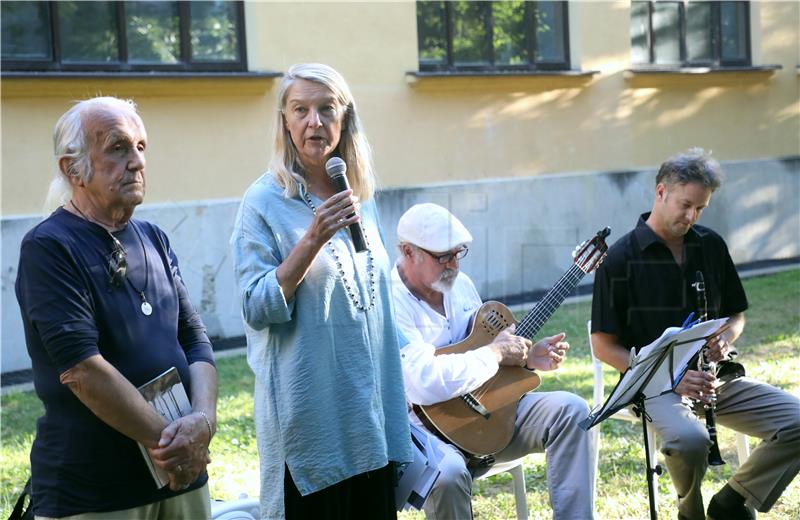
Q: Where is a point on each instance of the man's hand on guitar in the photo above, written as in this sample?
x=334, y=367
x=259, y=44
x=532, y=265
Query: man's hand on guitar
x=548, y=353
x=510, y=350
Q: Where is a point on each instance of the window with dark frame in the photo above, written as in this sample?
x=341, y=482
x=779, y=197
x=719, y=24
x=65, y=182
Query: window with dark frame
x=455, y=36
x=690, y=34
x=123, y=36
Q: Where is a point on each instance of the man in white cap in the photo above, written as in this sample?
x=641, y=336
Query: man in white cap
x=434, y=303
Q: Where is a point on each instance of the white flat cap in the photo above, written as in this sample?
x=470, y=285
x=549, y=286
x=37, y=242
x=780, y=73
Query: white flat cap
x=432, y=227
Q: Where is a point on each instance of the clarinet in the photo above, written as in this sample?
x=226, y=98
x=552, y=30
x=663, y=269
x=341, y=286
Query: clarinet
x=714, y=456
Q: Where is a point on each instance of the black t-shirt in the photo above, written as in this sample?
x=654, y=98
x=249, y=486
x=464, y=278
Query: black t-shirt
x=71, y=312
x=639, y=290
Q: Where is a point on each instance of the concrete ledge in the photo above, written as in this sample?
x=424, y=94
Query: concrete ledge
x=704, y=70
x=523, y=241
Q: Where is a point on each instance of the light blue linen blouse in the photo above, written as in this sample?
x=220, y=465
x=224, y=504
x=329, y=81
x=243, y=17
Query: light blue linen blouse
x=329, y=399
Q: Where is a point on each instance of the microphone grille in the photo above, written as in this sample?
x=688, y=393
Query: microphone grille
x=335, y=166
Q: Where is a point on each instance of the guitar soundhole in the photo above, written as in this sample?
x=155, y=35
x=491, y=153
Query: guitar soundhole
x=494, y=322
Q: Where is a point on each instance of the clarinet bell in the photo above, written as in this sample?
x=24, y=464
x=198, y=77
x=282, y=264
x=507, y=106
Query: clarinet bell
x=714, y=457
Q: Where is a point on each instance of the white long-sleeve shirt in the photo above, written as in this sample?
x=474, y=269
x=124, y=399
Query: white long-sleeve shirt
x=432, y=379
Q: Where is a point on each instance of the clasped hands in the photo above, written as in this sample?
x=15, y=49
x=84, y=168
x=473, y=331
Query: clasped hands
x=546, y=354
x=183, y=450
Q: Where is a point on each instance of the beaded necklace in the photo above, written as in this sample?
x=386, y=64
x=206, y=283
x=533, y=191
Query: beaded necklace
x=354, y=297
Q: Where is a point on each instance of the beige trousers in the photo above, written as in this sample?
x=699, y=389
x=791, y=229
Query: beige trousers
x=744, y=405
x=194, y=505
x=546, y=421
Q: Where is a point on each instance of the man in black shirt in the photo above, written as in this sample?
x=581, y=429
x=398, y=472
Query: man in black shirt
x=646, y=285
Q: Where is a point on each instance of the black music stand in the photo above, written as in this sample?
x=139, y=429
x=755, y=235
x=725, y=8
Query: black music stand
x=655, y=370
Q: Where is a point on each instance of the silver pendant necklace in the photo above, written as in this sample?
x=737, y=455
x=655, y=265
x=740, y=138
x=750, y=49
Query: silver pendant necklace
x=351, y=292
x=146, y=308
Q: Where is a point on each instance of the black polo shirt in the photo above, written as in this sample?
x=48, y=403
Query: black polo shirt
x=639, y=290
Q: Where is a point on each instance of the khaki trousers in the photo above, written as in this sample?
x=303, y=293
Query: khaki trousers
x=194, y=505
x=546, y=421
x=743, y=405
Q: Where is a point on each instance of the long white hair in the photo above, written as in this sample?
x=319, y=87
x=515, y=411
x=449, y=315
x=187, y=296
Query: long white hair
x=69, y=140
x=353, y=146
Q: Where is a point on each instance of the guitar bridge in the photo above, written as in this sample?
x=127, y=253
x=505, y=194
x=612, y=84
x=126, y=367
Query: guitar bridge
x=476, y=405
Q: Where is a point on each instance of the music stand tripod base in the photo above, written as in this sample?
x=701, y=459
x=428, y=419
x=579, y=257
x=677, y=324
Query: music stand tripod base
x=640, y=411
x=654, y=371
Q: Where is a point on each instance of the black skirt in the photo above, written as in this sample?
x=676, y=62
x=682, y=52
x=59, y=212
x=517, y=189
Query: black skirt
x=367, y=495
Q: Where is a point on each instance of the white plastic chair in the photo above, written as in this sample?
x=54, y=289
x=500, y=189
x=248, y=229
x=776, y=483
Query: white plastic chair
x=245, y=508
x=516, y=469
x=625, y=414
x=742, y=444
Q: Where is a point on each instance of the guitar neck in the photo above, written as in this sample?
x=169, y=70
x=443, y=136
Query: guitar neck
x=538, y=316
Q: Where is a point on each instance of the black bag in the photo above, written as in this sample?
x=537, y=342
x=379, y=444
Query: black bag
x=18, y=513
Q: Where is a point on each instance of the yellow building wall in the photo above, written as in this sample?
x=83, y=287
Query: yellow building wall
x=209, y=138
x=199, y=140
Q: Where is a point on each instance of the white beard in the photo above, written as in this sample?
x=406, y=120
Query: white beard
x=446, y=281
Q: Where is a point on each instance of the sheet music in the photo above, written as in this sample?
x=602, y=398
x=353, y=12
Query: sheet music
x=687, y=342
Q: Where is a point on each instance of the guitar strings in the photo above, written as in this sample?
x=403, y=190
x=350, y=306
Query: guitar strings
x=484, y=388
x=554, y=298
x=535, y=319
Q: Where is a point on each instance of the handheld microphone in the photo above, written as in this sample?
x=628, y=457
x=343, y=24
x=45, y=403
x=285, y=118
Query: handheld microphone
x=336, y=169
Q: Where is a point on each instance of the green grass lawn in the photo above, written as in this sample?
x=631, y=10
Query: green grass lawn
x=770, y=349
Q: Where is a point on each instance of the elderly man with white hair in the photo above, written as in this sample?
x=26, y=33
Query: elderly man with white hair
x=434, y=305
x=105, y=310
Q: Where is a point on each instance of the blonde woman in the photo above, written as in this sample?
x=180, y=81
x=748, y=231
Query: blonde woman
x=330, y=411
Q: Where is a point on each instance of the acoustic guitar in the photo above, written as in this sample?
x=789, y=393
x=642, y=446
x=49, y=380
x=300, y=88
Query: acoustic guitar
x=481, y=422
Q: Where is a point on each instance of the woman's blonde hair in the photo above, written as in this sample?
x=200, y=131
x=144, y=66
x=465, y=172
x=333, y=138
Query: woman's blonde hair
x=353, y=146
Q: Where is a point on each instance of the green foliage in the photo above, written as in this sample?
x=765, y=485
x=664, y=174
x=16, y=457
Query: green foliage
x=153, y=32
x=88, y=32
x=469, y=33
x=510, y=36
x=213, y=31
x=431, y=33
x=234, y=466
x=24, y=30
x=517, y=28
x=770, y=348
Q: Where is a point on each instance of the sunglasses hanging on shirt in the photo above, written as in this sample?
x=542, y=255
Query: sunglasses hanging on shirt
x=118, y=265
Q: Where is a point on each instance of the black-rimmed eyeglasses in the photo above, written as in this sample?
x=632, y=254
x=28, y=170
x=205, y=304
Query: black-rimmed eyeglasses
x=448, y=257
